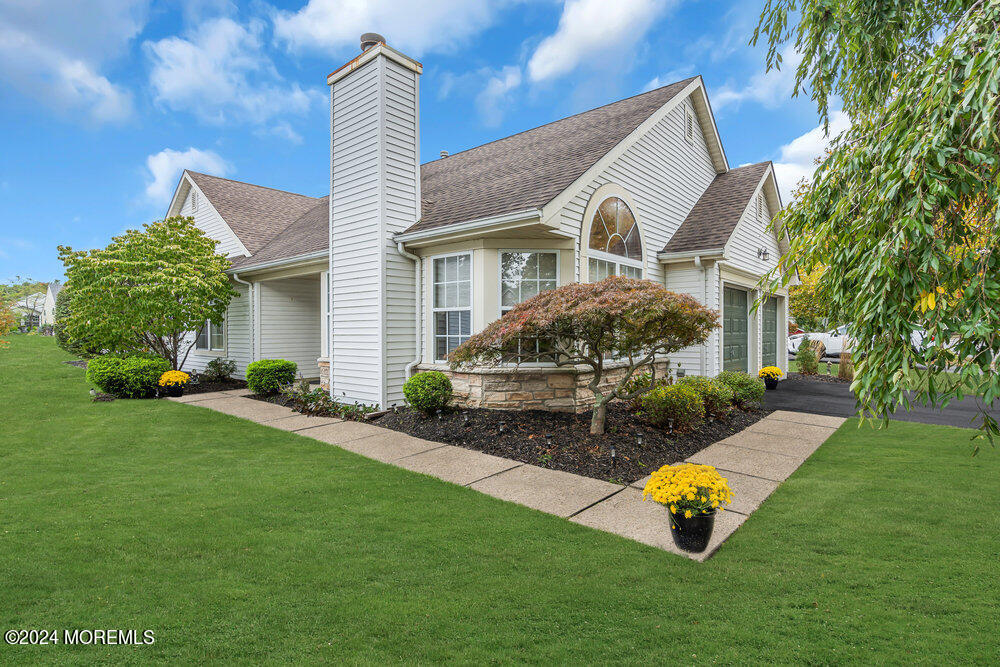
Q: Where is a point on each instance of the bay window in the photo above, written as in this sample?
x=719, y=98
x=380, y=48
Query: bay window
x=452, y=303
x=525, y=274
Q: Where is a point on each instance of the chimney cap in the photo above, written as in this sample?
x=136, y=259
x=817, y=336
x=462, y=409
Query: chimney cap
x=370, y=39
x=444, y=153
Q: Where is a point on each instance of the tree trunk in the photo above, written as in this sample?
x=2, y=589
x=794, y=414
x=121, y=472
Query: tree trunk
x=598, y=416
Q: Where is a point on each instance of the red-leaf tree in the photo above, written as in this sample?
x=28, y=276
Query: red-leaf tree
x=591, y=324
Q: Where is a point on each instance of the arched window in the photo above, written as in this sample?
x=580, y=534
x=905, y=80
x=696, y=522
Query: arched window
x=615, y=246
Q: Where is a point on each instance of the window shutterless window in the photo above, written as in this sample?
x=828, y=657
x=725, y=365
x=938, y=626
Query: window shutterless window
x=615, y=248
x=210, y=337
x=525, y=274
x=452, y=298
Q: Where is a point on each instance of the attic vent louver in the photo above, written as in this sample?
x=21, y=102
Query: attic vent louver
x=688, y=125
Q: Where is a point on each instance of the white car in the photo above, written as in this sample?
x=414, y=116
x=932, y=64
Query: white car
x=833, y=339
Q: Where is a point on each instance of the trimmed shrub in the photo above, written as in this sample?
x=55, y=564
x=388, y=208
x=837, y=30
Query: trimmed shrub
x=746, y=388
x=219, y=369
x=428, y=391
x=131, y=377
x=678, y=402
x=807, y=357
x=643, y=381
x=846, y=369
x=717, y=396
x=269, y=376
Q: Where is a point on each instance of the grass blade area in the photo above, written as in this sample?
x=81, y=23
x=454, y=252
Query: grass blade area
x=235, y=542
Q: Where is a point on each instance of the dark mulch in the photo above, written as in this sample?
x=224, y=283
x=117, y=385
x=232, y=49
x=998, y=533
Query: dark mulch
x=205, y=386
x=79, y=363
x=820, y=377
x=572, y=447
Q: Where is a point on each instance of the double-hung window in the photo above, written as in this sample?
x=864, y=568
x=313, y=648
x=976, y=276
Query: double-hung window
x=522, y=276
x=452, y=303
x=211, y=337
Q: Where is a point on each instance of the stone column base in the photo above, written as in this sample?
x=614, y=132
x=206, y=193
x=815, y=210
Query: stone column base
x=324, y=372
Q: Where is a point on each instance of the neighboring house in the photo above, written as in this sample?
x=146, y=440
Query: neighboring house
x=48, y=316
x=28, y=310
x=422, y=256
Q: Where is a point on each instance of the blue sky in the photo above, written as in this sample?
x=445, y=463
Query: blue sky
x=103, y=102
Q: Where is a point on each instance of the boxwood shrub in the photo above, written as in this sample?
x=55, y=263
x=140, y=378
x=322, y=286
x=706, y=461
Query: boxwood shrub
x=678, y=402
x=428, y=391
x=747, y=389
x=269, y=376
x=129, y=377
x=717, y=396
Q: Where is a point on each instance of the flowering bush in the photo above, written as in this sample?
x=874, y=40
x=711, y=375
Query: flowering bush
x=677, y=404
x=770, y=373
x=717, y=396
x=689, y=489
x=174, y=379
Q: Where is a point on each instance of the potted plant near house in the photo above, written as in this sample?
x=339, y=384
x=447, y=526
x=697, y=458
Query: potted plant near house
x=173, y=383
x=770, y=375
x=693, y=494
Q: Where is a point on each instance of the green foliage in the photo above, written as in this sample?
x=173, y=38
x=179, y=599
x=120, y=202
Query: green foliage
x=269, y=376
x=641, y=383
x=219, y=369
x=428, y=391
x=808, y=304
x=807, y=358
x=147, y=289
x=903, y=211
x=747, y=390
x=587, y=323
x=318, y=402
x=129, y=377
x=20, y=288
x=679, y=405
x=717, y=396
x=62, y=311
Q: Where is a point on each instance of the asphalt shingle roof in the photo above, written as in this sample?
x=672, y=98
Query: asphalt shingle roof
x=714, y=217
x=307, y=234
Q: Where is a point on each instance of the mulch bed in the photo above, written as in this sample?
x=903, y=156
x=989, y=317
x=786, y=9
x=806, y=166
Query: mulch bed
x=205, y=386
x=572, y=448
x=821, y=377
x=79, y=363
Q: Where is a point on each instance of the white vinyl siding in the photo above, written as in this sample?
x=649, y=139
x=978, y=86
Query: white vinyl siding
x=236, y=327
x=290, y=317
x=751, y=236
x=703, y=286
x=665, y=176
x=207, y=219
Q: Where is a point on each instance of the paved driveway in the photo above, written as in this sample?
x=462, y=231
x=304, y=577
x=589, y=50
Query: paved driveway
x=827, y=398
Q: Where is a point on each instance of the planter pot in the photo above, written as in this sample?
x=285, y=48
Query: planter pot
x=175, y=391
x=692, y=534
x=770, y=383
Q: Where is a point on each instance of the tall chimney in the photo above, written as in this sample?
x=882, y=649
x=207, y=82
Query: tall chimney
x=374, y=195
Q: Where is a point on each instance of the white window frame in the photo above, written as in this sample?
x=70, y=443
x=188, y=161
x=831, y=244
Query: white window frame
x=434, y=310
x=208, y=327
x=553, y=251
x=617, y=260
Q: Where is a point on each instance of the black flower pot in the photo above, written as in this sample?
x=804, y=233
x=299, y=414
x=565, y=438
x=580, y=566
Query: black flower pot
x=175, y=390
x=692, y=535
x=771, y=383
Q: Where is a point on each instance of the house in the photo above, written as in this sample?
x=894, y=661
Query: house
x=28, y=310
x=401, y=261
x=48, y=315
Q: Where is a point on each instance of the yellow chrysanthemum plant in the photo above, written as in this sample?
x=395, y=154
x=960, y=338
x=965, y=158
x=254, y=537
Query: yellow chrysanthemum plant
x=174, y=379
x=689, y=489
x=770, y=373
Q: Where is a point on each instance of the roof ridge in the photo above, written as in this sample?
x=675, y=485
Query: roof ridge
x=559, y=120
x=263, y=187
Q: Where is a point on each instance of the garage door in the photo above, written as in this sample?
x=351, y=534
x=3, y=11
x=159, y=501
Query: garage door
x=735, y=345
x=769, y=323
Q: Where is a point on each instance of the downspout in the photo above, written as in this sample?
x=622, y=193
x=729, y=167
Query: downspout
x=329, y=270
x=253, y=330
x=419, y=303
x=703, y=361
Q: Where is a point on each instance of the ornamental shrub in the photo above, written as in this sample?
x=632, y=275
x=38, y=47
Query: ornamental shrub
x=717, y=396
x=806, y=357
x=746, y=388
x=269, y=376
x=129, y=377
x=428, y=391
x=219, y=369
x=680, y=403
x=642, y=382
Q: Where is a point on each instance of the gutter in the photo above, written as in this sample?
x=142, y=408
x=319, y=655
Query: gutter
x=526, y=215
x=253, y=319
x=419, y=337
x=688, y=255
x=288, y=261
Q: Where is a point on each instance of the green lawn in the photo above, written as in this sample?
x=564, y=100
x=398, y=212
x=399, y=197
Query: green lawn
x=236, y=542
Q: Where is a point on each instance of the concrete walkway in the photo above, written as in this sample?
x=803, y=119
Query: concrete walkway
x=754, y=461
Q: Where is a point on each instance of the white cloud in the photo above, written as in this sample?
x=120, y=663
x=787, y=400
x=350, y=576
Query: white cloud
x=219, y=73
x=591, y=30
x=491, y=101
x=166, y=166
x=282, y=130
x=798, y=157
x=54, y=52
x=412, y=27
x=672, y=76
x=770, y=89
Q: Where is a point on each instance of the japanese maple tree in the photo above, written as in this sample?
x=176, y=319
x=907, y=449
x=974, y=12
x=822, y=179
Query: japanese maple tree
x=633, y=322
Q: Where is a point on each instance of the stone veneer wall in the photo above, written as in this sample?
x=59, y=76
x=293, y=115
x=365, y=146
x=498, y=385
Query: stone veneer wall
x=531, y=388
x=324, y=372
